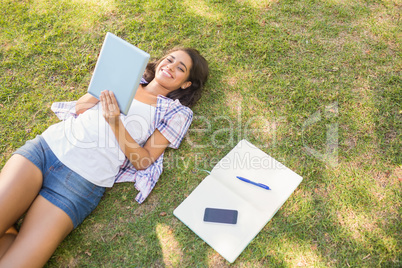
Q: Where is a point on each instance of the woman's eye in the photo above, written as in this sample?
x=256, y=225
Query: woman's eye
x=169, y=60
x=181, y=69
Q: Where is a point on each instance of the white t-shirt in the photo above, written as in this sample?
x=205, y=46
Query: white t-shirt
x=87, y=144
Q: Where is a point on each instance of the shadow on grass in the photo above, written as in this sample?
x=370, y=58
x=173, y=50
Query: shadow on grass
x=281, y=60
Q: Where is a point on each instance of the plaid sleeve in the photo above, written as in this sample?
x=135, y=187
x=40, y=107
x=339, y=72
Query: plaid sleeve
x=175, y=123
x=64, y=110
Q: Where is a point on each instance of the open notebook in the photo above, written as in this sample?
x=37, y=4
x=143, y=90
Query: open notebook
x=255, y=205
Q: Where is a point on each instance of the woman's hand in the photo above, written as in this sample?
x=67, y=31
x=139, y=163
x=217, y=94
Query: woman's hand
x=110, y=108
x=140, y=157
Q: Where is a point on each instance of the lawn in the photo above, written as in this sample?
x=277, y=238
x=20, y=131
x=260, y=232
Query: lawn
x=315, y=84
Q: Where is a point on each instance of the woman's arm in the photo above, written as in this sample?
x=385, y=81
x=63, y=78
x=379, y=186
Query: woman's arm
x=84, y=103
x=140, y=157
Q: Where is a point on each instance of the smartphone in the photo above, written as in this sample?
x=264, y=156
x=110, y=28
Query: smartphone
x=220, y=215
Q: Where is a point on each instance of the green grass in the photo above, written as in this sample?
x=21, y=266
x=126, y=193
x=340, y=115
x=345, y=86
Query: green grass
x=293, y=71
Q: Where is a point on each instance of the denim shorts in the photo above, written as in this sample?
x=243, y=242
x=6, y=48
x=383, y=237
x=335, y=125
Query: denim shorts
x=61, y=186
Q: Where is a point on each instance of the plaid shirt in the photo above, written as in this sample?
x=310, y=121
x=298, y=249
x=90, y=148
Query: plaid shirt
x=172, y=119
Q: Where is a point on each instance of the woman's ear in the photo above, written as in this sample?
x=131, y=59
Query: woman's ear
x=186, y=85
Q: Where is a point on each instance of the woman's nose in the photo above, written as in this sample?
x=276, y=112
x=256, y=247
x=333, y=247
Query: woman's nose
x=170, y=66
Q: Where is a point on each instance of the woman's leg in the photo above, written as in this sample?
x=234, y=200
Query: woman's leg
x=7, y=239
x=20, y=182
x=43, y=229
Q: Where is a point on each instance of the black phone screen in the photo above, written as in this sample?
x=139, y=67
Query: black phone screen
x=220, y=215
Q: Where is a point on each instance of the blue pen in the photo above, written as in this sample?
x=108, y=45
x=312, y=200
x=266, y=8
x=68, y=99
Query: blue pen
x=254, y=183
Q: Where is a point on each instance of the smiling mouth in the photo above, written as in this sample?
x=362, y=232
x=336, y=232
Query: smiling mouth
x=167, y=73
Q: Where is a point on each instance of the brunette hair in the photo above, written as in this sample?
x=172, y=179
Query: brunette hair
x=198, y=77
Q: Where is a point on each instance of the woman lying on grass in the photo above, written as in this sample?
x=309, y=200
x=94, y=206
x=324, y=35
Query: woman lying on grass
x=59, y=177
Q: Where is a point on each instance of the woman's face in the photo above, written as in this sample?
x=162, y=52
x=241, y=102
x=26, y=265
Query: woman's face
x=174, y=70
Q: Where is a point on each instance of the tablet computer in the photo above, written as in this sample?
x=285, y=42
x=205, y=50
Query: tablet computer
x=119, y=68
